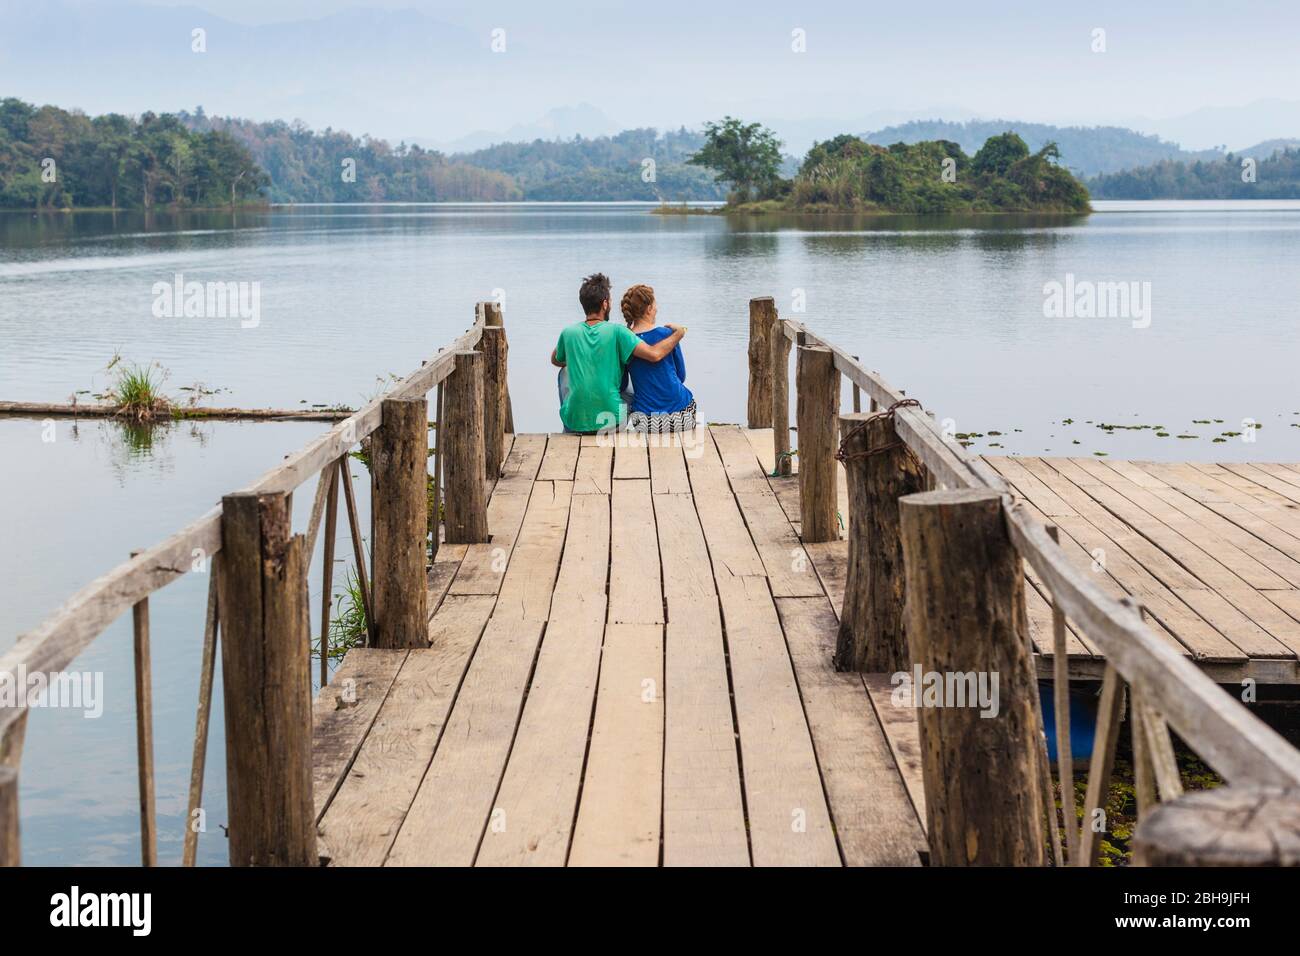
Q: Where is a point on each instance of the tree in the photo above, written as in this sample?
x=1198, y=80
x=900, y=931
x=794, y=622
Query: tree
x=999, y=153
x=747, y=155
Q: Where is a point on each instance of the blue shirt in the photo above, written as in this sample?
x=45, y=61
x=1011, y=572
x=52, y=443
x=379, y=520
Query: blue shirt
x=658, y=385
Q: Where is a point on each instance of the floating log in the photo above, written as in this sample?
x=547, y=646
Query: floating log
x=77, y=410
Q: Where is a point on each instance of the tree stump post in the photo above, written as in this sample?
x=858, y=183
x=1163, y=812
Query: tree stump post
x=266, y=660
x=465, y=501
x=818, y=392
x=964, y=586
x=399, y=468
x=780, y=398
x=872, y=636
x=1227, y=826
x=496, y=395
x=10, y=847
x=494, y=317
x=762, y=313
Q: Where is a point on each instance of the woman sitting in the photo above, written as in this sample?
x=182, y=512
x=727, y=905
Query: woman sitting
x=661, y=402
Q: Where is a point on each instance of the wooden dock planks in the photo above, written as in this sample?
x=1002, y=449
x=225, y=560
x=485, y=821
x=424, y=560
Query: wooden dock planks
x=454, y=803
x=372, y=802
x=640, y=672
x=532, y=817
x=704, y=822
x=618, y=817
x=484, y=565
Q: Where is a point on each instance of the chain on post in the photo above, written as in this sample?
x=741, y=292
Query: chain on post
x=842, y=455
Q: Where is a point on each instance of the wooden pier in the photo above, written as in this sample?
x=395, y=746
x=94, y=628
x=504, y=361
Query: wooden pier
x=687, y=650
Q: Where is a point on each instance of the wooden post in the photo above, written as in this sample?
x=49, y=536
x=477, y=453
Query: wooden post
x=144, y=730
x=330, y=473
x=872, y=637
x=762, y=313
x=399, y=469
x=496, y=396
x=10, y=848
x=266, y=661
x=494, y=318
x=818, y=387
x=461, y=437
x=1226, y=826
x=964, y=584
x=780, y=397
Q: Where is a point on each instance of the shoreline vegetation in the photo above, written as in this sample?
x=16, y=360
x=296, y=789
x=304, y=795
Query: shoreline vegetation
x=849, y=175
x=54, y=160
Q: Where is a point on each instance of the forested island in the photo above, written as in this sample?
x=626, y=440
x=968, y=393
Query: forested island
x=848, y=174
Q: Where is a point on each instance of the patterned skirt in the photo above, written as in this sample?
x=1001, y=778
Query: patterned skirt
x=663, y=423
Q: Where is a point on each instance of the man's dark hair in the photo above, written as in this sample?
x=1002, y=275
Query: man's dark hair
x=593, y=293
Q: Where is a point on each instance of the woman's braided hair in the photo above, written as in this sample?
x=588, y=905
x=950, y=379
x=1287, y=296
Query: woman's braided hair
x=636, y=300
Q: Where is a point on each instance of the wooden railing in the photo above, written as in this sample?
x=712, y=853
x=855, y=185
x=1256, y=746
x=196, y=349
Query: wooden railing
x=257, y=593
x=895, y=549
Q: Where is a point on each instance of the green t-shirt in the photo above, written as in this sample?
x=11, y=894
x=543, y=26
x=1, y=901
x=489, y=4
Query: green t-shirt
x=595, y=355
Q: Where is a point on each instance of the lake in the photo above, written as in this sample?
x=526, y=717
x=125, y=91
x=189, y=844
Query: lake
x=1010, y=324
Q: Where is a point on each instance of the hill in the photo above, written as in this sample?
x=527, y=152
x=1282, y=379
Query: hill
x=53, y=158
x=605, y=167
x=304, y=165
x=1275, y=177
x=1087, y=150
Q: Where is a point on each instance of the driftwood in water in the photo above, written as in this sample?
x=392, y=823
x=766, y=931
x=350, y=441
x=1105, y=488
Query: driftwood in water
x=77, y=410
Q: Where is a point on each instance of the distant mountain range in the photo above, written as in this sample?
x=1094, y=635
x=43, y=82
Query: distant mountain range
x=1087, y=150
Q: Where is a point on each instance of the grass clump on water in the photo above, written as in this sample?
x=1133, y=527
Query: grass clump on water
x=137, y=391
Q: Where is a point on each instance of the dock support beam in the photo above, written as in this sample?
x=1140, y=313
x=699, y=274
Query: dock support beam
x=266, y=660
x=762, y=315
x=880, y=470
x=818, y=387
x=10, y=848
x=1227, y=826
x=399, y=468
x=496, y=391
x=461, y=436
x=978, y=738
x=780, y=398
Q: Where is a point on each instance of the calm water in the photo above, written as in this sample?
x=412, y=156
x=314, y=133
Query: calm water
x=951, y=311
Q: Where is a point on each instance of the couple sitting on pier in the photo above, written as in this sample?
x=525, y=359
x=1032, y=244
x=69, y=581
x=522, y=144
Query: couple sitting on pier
x=614, y=376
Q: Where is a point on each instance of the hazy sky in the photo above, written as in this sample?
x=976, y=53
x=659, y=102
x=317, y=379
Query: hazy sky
x=683, y=61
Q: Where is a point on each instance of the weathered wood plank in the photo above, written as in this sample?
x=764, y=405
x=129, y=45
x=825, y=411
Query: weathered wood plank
x=619, y=814
x=632, y=455
x=364, y=817
x=668, y=469
x=561, y=458
x=595, y=464
x=529, y=580
x=704, y=821
x=635, y=594
x=904, y=736
x=788, y=818
x=454, y=802
x=485, y=564
x=342, y=714
x=532, y=817
x=875, y=822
